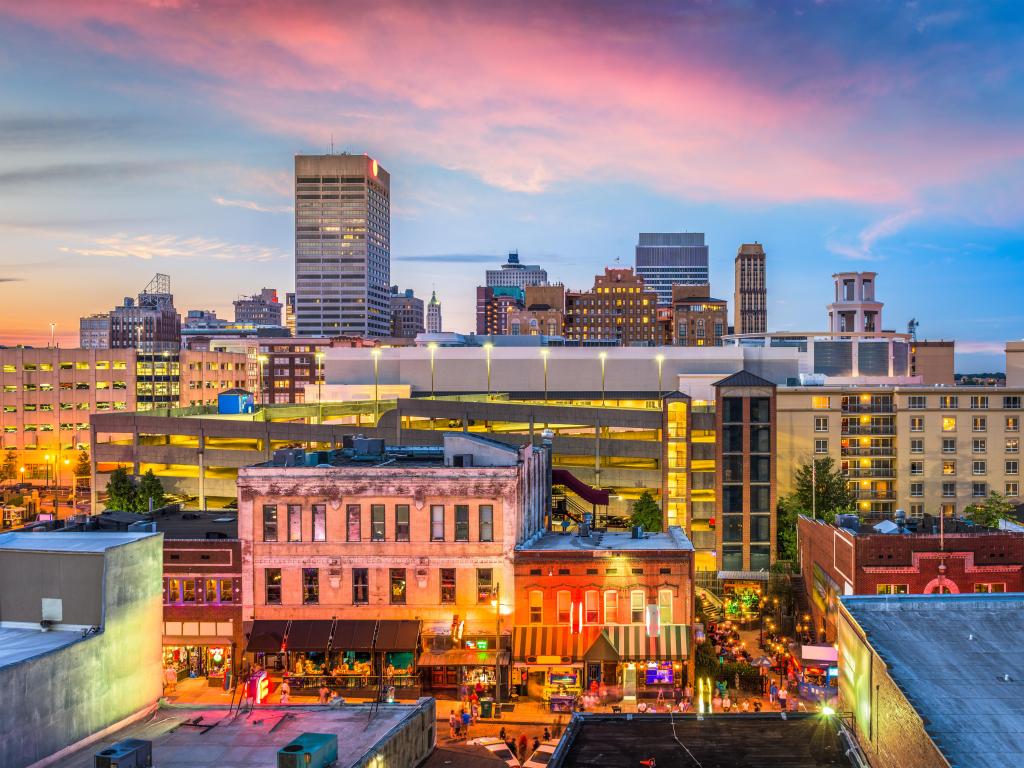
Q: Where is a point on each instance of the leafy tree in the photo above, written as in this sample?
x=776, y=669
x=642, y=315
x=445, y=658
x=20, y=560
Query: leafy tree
x=121, y=491
x=83, y=468
x=787, y=514
x=150, y=487
x=646, y=512
x=705, y=660
x=989, y=512
x=832, y=495
x=10, y=465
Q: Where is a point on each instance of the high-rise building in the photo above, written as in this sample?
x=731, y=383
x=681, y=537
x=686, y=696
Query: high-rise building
x=854, y=308
x=151, y=324
x=620, y=309
x=433, y=314
x=664, y=259
x=260, y=309
x=515, y=275
x=289, y=312
x=493, y=307
x=750, y=302
x=406, y=313
x=342, y=246
x=94, y=331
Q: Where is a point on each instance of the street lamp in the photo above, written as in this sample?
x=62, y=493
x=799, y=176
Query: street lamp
x=496, y=603
x=432, y=346
x=603, y=356
x=319, y=386
x=544, y=354
x=375, y=353
x=53, y=327
x=487, y=353
x=660, y=360
x=262, y=360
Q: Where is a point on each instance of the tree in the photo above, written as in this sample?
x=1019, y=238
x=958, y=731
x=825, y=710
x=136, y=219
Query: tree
x=646, y=513
x=121, y=491
x=10, y=465
x=83, y=468
x=787, y=514
x=150, y=488
x=832, y=495
x=989, y=512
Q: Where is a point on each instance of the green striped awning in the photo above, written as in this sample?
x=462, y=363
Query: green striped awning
x=632, y=643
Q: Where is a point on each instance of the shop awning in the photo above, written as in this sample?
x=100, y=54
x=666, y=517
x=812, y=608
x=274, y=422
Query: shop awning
x=353, y=634
x=458, y=657
x=267, y=636
x=398, y=635
x=743, y=575
x=306, y=635
x=632, y=643
x=551, y=645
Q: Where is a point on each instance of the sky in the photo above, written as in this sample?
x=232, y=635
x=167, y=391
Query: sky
x=139, y=137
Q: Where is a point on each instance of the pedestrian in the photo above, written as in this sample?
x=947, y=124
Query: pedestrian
x=170, y=679
x=773, y=692
x=474, y=713
x=524, y=744
x=726, y=703
x=478, y=690
x=325, y=693
x=745, y=706
x=285, y=689
x=716, y=702
x=757, y=705
x=783, y=695
x=547, y=734
x=536, y=744
x=465, y=723
x=453, y=724
x=502, y=735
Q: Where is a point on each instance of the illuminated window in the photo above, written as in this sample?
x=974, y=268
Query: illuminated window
x=821, y=402
x=892, y=589
x=636, y=606
x=590, y=607
x=948, y=401
x=563, y=607
x=665, y=606
x=917, y=424
x=611, y=607
x=447, y=586
x=949, y=467
x=979, y=424
x=536, y=607
x=949, y=423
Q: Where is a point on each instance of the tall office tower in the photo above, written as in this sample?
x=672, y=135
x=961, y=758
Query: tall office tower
x=289, y=312
x=515, y=275
x=260, y=309
x=854, y=308
x=406, y=313
x=750, y=301
x=433, y=314
x=664, y=259
x=342, y=246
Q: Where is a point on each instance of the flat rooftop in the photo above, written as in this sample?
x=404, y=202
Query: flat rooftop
x=948, y=654
x=20, y=644
x=48, y=541
x=250, y=740
x=719, y=741
x=610, y=541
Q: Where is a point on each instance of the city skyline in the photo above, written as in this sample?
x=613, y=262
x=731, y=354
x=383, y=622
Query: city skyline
x=902, y=158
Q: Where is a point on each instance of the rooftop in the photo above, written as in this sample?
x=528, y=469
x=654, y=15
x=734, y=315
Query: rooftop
x=67, y=542
x=20, y=644
x=949, y=654
x=251, y=741
x=611, y=541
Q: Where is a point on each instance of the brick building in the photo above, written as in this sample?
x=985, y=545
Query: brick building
x=618, y=309
x=697, y=319
x=494, y=306
x=858, y=560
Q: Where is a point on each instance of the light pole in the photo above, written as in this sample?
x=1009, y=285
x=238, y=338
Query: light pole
x=432, y=346
x=544, y=355
x=319, y=386
x=603, y=356
x=262, y=360
x=375, y=353
x=661, y=361
x=487, y=354
x=496, y=602
x=53, y=327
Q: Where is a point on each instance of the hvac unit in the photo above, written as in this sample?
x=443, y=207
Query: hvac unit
x=309, y=750
x=128, y=753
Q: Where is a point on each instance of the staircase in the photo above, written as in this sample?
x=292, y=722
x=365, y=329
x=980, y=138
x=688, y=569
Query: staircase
x=711, y=605
x=800, y=600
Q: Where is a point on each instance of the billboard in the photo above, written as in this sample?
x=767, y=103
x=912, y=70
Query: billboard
x=855, y=677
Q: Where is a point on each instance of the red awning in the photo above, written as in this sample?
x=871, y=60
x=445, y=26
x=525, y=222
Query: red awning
x=577, y=486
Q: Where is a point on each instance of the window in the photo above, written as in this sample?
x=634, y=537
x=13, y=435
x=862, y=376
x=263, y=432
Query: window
x=1011, y=489
x=611, y=607
x=173, y=591
x=992, y=587
x=591, y=613
x=310, y=586
x=917, y=467
x=484, y=585
x=948, y=490
x=979, y=401
x=1011, y=401
x=397, y=586
x=1010, y=467
x=821, y=446
x=949, y=445
x=536, y=607
x=917, y=445
x=360, y=586
x=462, y=522
x=294, y=522
x=917, y=510
x=447, y=586
x=891, y=589
x=353, y=516
x=210, y=591
x=227, y=591
x=949, y=423
x=916, y=424
x=270, y=522
x=1012, y=445
x=979, y=445
x=188, y=591
x=272, y=579
x=949, y=467
x=979, y=467
x=948, y=401
x=979, y=424
x=979, y=490
x=401, y=522
x=1012, y=423
x=917, y=490
x=821, y=423
x=947, y=510
x=563, y=607
x=437, y=522
x=319, y=522
x=917, y=402
x=486, y=522
x=820, y=403
x=636, y=606
x=377, y=525
x=664, y=606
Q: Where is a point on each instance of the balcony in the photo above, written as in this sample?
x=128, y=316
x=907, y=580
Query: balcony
x=885, y=453
x=867, y=494
x=866, y=473
x=883, y=430
x=887, y=409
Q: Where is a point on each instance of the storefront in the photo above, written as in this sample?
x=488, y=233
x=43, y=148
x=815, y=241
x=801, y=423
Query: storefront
x=551, y=664
x=817, y=671
x=471, y=667
x=197, y=661
x=650, y=667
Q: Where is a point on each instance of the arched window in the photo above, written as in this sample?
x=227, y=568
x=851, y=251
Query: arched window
x=611, y=607
x=563, y=604
x=536, y=607
x=591, y=615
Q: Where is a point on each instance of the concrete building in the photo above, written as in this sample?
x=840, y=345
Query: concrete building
x=843, y=357
x=603, y=608
x=932, y=361
x=513, y=274
x=494, y=306
x=665, y=259
x=150, y=324
x=903, y=658
x=434, y=323
x=94, y=331
x=80, y=621
x=342, y=246
x=406, y=314
x=619, y=310
x=697, y=319
x=260, y=309
x=854, y=308
x=925, y=557
x=750, y=299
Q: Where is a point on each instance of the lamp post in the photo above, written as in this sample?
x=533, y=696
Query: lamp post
x=487, y=353
x=544, y=355
x=432, y=346
x=262, y=360
x=496, y=602
x=660, y=359
x=603, y=356
x=53, y=327
x=375, y=353
x=319, y=387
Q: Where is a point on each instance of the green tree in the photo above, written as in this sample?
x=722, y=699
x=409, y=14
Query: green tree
x=787, y=514
x=646, y=513
x=83, y=468
x=832, y=495
x=150, y=487
x=10, y=465
x=121, y=491
x=989, y=512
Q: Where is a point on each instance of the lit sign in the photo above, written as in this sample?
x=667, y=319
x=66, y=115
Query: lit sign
x=481, y=645
x=373, y=168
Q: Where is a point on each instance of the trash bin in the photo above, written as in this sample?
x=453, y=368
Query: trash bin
x=486, y=707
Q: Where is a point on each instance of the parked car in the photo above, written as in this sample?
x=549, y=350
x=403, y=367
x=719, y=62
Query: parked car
x=542, y=756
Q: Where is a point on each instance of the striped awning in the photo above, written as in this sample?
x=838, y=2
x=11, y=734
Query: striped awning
x=632, y=643
x=547, y=645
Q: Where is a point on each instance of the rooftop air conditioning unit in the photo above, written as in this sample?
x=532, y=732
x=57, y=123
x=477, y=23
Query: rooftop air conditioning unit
x=309, y=750
x=128, y=753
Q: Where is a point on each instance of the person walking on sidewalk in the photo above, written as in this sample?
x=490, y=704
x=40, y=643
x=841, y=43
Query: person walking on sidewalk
x=465, y=724
x=773, y=693
x=783, y=695
x=524, y=744
x=453, y=724
x=285, y=689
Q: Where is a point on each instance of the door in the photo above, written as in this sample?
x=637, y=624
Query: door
x=629, y=682
x=593, y=673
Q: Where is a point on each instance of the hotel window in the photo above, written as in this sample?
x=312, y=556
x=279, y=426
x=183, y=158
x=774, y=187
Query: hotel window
x=484, y=585
x=979, y=467
x=319, y=522
x=397, y=586
x=1011, y=489
x=611, y=607
x=821, y=423
x=916, y=424
x=437, y=522
x=979, y=490
x=1012, y=423
x=892, y=589
x=948, y=490
x=979, y=445
x=821, y=446
x=310, y=586
x=536, y=607
x=949, y=423
x=979, y=424
x=636, y=606
x=916, y=510
x=447, y=586
x=272, y=579
x=401, y=522
x=917, y=402
x=820, y=402
x=917, y=467
x=664, y=606
x=948, y=401
x=917, y=490
x=947, y=510
x=991, y=587
x=979, y=401
x=1011, y=401
x=353, y=518
x=486, y=522
x=377, y=525
x=270, y=522
x=1010, y=467
x=1012, y=445
x=949, y=467
x=294, y=522
x=563, y=607
x=360, y=586
x=917, y=445
x=462, y=522
x=591, y=614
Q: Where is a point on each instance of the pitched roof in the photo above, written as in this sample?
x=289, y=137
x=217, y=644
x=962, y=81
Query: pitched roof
x=743, y=378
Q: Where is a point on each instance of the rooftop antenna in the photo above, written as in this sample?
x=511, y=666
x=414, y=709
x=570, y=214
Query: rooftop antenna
x=912, y=328
x=332, y=142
